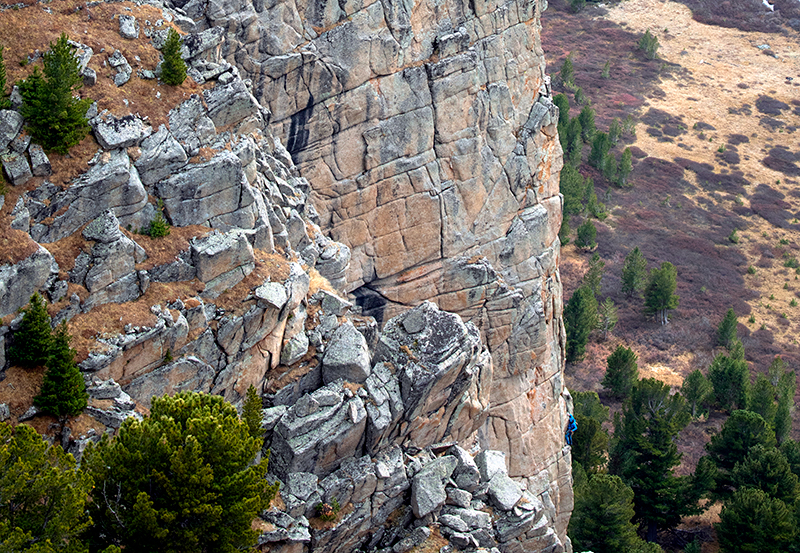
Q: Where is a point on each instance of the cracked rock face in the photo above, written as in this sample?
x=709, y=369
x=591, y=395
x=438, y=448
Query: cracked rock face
x=427, y=133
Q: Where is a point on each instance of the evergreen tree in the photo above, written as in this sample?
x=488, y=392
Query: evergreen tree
x=580, y=318
x=251, y=413
x=590, y=440
x=742, y=431
x=610, y=167
x=644, y=455
x=574, y=142
x=55, y=118
x=63, y=392
x=181, y=480
x=600, y=147
x=32, y=340
x=607, y=317
x=622, y=373
x=762, y=399
x=649, y=45
x=42, y=495
x=576, y=5
x=596, y=208
x=726, y=332
x=753, y=522
x=791, y=451
x=586, y=120
x=625, y=167
x=562, y=102
x=659, y=296
x=567, y=72
x=697, y=391
x=564, y=230
x=614, y=131
x=785, y=382
x=782, y=423
x=730, y=379
x=601, y=520
x=173, y=68
x=767, y=469
x=5, y=103
x=634, y=273
x=587, y=234
x=594, y=274
x=573, y=187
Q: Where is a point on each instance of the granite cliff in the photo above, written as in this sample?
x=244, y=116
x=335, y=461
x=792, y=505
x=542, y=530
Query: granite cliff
x=403, y=153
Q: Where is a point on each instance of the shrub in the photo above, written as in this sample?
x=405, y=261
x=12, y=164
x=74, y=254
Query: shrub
x=32, y=341
x=173, y=68
x=55, y=118
x=649, y=45
x=158, y=228
x=181, y=479
x=587, y=235
x=733, y=237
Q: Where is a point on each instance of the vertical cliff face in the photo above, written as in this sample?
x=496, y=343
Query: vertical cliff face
x=426, y=130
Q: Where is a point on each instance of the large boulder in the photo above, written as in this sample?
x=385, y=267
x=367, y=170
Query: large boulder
x=10, y=125
x=119, y=132
x=16, y=167
x=231, y=104
x=19, y=281
x=222, y=260
x=161, y=156
x=190, y=125
x=346, y=356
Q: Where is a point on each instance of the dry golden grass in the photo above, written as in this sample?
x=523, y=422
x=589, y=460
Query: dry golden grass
x=269, y=266
x=19, y=388
x=165, y=250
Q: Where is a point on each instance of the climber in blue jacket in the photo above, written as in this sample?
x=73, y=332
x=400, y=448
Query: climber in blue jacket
x=572, y=426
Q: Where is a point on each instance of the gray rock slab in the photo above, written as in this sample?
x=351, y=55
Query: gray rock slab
x=230, y=104
x=346, y=356
x=40, y=163
x=112, y=132
x=161, y=156
x=16, y=167
x=489, y=463
x=10, y=125
x=128, y=27
x=504, y=492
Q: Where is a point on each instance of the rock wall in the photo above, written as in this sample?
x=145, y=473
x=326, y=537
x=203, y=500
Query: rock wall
x=426, y=131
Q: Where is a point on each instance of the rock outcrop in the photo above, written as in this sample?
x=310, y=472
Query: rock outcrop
x=427, y=133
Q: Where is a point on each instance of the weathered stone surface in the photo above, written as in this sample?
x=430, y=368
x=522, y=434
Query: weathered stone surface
x=113, y=183
x=318, y=432
x=437, y=357
x=504, y=492
x=211, y=194
x=16, y=167
x=40, y=163
x=428, y=486
x=161, y=156
x=119, y=132
x=190, y=125
x=466, y=476
x=346, y=356
x=128, y=27
x=490, y=463
x=10, y=125
x=222, y=260
x=231, y=104
x=5, y=412
x=18, y=282
x=186, y=373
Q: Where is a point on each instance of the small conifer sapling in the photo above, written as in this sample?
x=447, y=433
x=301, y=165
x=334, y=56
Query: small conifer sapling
x=173, y=68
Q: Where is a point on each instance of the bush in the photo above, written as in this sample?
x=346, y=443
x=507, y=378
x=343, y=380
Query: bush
x=181, y=479
x=32, y=341
x=733, y=237
x=649, y=45
x=587, y=235
x=63, y=392
x=173, y=68
x=55, y=118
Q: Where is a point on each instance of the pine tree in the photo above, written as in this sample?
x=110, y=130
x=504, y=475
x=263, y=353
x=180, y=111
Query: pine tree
x=63, y=392
x=562, y=102
x=634, y=272
x=659, y=296
x=595, y=207
x=181, y=479
x=649, y=45
x=754, y=522
x=696, y=389
x=55, y=118
x=607, y=317
x=762, y=399
x=610, y=168
x=32, y=340
x=567, y=72
x=587, y=234
x=173, y=68
x=42, y=495
x=580, y=318
x=730, y=379
x=602, y=517
x=586, y=120
x=251, y=413
x=574, y=142
x=645, y=454
x=564, y=230
x=625, y=167
x=742, y=431
x=573, y=187
x=766, y=469
x=726, y=332
x=594, y=274
x=600, y=147
x=590, y=440
x=614, y=131
x=622, y=373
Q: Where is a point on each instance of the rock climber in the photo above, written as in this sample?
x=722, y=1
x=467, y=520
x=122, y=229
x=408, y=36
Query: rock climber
x=572, y=426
